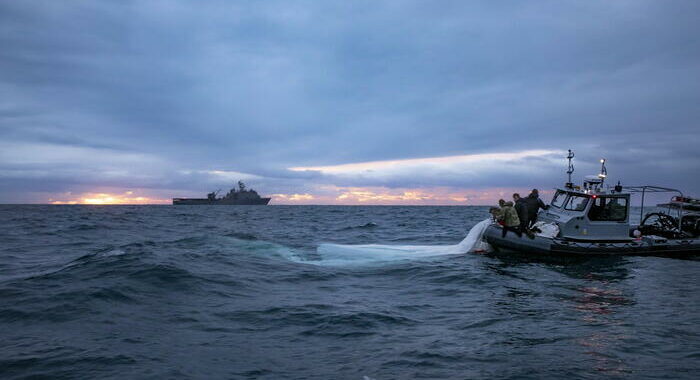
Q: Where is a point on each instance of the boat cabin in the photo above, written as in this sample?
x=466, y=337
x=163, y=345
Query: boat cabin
x=590, y=216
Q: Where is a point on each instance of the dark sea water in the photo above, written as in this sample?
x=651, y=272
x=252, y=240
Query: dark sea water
x=272, y=292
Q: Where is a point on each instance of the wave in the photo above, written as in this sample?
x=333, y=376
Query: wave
x=319, y=320
x=348, y=255
x=367, y=225
x=242, y=236
x=83, y=227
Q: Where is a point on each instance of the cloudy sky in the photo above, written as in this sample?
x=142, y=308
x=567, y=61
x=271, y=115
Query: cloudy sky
x=322, y=102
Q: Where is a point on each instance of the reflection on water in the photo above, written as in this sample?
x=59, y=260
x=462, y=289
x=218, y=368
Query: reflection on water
x=599, y=302
x=606, y=269
x=597, y=346
x=591, y=291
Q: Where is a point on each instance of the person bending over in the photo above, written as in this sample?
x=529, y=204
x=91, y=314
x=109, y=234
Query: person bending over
x=511, y=222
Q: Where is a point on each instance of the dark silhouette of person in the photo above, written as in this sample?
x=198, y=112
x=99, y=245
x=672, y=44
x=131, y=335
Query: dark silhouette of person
x=534, y=204
x=521, y=209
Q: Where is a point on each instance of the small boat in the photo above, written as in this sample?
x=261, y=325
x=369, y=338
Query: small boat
x=595, y=220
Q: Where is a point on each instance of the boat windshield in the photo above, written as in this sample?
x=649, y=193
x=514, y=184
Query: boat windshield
x=559, y=199
x=576, y=202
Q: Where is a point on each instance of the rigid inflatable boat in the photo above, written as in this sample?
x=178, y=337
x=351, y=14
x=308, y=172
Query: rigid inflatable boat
x=594, y=219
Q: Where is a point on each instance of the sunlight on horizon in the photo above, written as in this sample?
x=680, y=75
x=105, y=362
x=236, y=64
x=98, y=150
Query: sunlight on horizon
x=338, y=195
x=125, y=198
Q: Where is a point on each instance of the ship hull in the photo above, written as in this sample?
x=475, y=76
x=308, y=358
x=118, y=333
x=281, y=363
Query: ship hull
x=546, y=246
x=226, y=202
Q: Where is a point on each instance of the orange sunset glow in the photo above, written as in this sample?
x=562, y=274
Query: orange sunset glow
x=334, y=195
x=324, y=195
x=125, y=198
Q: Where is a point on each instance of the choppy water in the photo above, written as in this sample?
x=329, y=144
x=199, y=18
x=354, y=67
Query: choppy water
x=275, y=292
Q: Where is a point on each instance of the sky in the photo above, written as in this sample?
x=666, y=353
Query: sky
x=343, y=102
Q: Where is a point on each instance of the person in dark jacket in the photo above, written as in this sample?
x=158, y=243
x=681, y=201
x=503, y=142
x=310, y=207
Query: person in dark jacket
x=534, y=204
x=521, y=208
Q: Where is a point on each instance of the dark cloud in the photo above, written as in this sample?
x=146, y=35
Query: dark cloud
x=144, y=94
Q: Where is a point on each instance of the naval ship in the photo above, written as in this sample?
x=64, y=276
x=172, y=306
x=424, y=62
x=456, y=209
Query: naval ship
x=239, y=196
x=595, y=220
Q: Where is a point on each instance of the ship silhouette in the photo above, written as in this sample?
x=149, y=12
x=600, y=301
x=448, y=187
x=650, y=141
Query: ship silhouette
x=236, y=196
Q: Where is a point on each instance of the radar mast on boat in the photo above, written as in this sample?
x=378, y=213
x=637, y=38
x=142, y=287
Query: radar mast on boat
x=603, y=171
x=570, y=170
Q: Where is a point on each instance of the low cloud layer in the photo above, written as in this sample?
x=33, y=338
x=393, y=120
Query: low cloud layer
x=178, y=98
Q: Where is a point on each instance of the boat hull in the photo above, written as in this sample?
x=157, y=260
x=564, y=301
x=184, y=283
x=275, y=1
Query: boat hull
x=226, y=202
x=540, y=245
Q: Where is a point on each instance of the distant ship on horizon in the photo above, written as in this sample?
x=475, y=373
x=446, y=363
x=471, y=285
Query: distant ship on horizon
x=240, y=196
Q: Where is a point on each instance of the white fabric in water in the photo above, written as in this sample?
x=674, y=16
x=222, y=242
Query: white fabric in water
x=341, y=254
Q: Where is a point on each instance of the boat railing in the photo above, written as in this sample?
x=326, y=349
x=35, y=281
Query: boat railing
x=657, y=189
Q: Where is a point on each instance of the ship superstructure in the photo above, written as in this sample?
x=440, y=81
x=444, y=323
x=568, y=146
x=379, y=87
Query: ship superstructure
x=236, y=196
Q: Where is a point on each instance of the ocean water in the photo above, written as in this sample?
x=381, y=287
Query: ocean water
x=324, y=292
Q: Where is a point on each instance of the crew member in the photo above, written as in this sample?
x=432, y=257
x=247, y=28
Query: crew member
x=521, y=209
x=496, y=215
x=534, y=204
x=511, y=222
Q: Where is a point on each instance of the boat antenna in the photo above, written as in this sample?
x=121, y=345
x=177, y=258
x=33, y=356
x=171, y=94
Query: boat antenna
x=603, y=171
x=570, y=170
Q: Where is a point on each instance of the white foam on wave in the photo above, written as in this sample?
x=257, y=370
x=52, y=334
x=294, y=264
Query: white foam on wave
x=343, y=255
x=112, y=252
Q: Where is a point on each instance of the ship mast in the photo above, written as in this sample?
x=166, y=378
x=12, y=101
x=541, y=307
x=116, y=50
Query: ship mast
x=570, y=170
x=603, y=172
